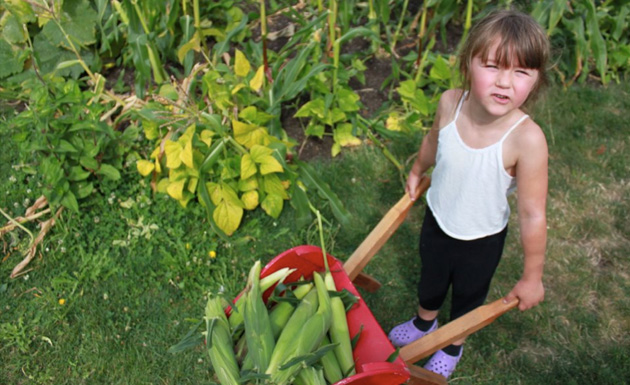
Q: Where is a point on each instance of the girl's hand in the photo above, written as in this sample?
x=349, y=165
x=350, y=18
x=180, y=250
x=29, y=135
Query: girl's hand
x=529, y=292
x=412, y=185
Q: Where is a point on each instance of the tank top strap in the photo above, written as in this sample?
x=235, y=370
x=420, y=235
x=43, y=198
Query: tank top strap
x=460, y=104
x=521, y=119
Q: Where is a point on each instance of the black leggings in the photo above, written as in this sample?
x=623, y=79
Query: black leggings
x=467, y=265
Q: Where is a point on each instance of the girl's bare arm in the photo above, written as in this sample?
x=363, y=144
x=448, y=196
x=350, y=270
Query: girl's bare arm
x=531, y=178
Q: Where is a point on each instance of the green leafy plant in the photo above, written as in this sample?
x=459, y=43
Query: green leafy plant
x=227, y=158
x=591, y=35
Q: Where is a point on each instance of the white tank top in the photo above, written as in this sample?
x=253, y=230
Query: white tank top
x=469, y=186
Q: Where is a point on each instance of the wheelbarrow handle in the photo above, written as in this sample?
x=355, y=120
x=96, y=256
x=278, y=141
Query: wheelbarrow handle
x=382, y=232
x=455, y=330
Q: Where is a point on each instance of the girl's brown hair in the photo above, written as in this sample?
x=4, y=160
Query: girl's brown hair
x=522, y=42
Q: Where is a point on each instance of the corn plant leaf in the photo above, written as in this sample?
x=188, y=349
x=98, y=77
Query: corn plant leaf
x=192, y=44
x=597, y=42
x=311, y=179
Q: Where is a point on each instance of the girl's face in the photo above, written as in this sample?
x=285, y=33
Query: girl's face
x=500, y=90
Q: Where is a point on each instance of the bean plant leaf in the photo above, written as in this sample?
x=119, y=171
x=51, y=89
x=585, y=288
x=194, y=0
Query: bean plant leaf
x=248, y=167
x=250, y=134
x=78, y=24
x=145, y=167
x=70, y=201
x=272, y=204
x=12, y=61
x=348, y=100
x=258, y=79
x=241, y=64
x=229, y=210
x=173, y=152
x=250, y=200
x=262, y=156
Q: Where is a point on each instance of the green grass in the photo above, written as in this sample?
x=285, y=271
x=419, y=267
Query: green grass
x=133, y=268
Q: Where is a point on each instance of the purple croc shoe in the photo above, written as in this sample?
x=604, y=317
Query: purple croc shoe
x=442, y=363
x=407, y=332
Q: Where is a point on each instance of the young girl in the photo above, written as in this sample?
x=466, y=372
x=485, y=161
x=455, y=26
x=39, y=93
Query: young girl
x=483, y=147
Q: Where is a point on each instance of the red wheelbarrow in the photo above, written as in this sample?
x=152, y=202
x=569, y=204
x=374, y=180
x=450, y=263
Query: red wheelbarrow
x=373, y=348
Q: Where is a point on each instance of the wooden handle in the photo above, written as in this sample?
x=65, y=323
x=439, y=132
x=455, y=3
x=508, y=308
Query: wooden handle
x=455, y=330
x=382, y=232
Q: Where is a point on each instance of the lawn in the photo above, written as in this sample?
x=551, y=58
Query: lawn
x=112, y=288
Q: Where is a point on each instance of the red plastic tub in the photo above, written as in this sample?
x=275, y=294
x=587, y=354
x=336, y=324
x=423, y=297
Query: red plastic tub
x=373, y=347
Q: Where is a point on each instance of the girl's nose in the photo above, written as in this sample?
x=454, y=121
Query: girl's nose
x=503, y=78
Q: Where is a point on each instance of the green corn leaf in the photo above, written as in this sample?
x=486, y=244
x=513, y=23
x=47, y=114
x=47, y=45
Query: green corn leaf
x=309, y=176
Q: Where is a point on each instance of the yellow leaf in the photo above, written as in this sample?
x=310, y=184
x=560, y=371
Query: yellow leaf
x=237, y=88
x=206, y=137
x=241, y=64
x=250, y=199
x=172, y=151
x=269, y=164
x=248, y=167
x=272, y=204
x=228, y=217
x=187, y=155
x=393, y=122
x=162, y=185
x=250, y=134
x=343, y=136
x=257, y=81
x=145, y=167
x=176, y=189
x=193, y=44
x=192, y=185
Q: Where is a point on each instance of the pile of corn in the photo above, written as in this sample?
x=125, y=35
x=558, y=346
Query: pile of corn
x=304, y=342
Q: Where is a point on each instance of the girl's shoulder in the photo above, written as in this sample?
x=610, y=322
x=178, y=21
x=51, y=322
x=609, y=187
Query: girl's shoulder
x=447, y=106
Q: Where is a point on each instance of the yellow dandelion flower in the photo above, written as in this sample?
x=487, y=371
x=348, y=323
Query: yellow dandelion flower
x=212, y=254
x=62, y=301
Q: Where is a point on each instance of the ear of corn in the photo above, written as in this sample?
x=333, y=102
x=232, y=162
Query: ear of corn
x=236, y=318
x=311, y=334
x=339, y=332
x=219, y=343
x=310, y=376
x=281, y=313
x=330, y=365
x=258, y=334
x=286, y=341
